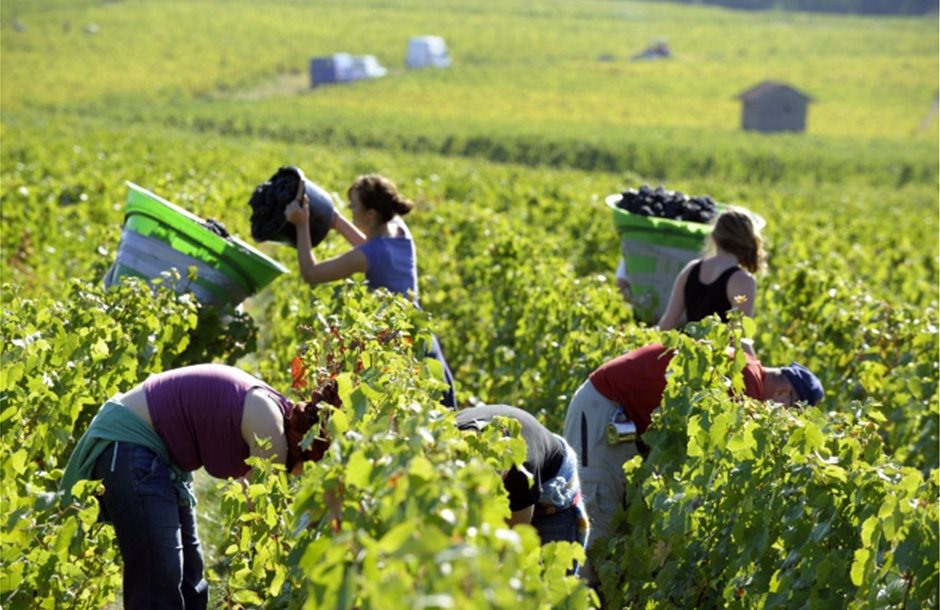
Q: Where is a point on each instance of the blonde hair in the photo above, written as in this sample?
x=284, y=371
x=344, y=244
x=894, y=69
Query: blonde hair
x=736, y=233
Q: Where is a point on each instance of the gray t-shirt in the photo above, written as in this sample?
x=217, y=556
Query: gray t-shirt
x=544, y=452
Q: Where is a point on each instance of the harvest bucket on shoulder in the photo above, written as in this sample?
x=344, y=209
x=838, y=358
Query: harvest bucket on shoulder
x=159, y=236
x=271, y=197
x=655, y=250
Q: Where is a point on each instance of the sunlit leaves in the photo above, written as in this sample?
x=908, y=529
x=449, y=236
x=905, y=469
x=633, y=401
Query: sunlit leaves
x=68, y=356
x=780, y=506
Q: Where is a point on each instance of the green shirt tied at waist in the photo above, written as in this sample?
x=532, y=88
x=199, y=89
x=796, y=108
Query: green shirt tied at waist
x=115, y=423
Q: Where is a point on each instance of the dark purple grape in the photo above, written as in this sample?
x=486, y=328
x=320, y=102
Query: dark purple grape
x=662, y=203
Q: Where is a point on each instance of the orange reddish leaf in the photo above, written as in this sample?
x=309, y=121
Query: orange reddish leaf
x=298, y=373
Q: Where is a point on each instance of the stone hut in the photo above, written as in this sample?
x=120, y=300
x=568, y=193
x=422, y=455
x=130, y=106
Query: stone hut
x=772, y=106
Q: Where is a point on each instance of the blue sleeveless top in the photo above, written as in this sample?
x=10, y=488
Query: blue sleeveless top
x=392, y=264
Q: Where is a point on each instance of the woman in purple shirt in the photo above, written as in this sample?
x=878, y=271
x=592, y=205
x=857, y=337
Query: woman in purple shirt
x=383, y=248
x=143, y=445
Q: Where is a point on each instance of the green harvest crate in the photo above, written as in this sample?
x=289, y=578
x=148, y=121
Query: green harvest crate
x=654, y=251
x=158, y=236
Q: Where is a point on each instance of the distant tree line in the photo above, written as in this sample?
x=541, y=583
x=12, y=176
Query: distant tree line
x=862, y=7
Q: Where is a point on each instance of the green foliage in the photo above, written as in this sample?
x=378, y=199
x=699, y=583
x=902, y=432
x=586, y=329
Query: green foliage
x=257, y=540
x=864, y=7
x=525, y=351
x=740, y=504
x=551, y=84
x=744, y=504
x=403, y=511
x=663, y=154
x=61, y=360
x=515, y=279
x=868, y=350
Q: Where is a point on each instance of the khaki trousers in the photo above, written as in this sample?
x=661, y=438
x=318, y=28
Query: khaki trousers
x=601, y=472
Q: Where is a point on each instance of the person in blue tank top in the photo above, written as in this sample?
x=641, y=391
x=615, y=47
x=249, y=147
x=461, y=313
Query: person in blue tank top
x=382, y=247
x=723, y=279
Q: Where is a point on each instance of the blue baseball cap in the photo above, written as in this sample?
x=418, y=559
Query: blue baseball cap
x=808, y=387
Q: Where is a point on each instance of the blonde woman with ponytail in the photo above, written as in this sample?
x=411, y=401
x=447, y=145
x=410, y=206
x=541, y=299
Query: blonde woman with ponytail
x=382, y=246
x=724, y=278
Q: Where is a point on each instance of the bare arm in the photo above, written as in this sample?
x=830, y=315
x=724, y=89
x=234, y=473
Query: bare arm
x=742, y=284
x=354, y=236
x=313, y=272
x=262, y=419
x=333, y=269
x=676, y=306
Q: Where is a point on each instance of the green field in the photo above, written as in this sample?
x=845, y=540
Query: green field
x=529, y=85
x=509, y=154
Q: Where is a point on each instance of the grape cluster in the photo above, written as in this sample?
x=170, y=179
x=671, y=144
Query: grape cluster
x=648, y=201
x=327, y=392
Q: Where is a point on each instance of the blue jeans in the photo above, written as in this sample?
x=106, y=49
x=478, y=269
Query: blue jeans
x=560, y=526
x=557, y=527
x=449, y=399
x=163, y=563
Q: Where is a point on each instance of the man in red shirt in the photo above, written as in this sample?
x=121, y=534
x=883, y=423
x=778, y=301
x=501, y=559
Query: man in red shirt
x=627, y=389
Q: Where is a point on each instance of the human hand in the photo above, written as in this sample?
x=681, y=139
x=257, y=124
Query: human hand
x=297, y=212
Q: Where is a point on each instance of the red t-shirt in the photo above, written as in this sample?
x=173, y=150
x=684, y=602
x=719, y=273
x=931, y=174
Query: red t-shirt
x=636, y=381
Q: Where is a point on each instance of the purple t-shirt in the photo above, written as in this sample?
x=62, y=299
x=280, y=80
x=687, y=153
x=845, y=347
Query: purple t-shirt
x=392, y=264
x=197, y=412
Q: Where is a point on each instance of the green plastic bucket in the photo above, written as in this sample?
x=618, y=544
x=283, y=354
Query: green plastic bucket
x=655, y=250
x=159, y=236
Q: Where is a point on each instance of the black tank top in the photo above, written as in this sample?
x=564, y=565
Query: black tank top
x=702, y=300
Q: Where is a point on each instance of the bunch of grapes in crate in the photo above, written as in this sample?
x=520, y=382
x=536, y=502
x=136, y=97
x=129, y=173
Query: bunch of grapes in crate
x=662, y=203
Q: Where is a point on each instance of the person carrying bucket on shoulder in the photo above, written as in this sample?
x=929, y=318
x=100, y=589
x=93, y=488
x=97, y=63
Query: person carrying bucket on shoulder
x=382, y=248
